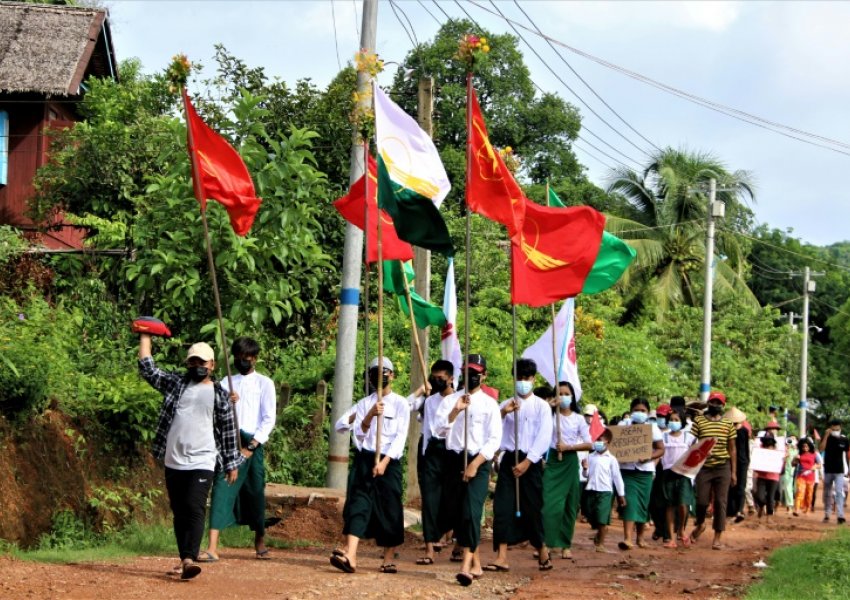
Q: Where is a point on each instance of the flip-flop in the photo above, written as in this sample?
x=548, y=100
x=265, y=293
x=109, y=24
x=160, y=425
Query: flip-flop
x=546, y=565
x=717, y=546
x=624, y=545
x=457, y=556
x=478, y=575
x=465, y=579
x=494, y=568
x=390, y=568
x=190, y=571
x=566, y=555
x=263, y=554
x=425, y=560
x=342, y=563
x=206, y=557
x=338, y=552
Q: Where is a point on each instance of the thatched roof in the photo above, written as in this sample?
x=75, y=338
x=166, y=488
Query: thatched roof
x=51, y=49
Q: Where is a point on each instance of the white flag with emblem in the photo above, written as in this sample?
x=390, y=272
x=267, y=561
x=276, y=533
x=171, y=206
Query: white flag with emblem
x=449, y=343
x=566, y=368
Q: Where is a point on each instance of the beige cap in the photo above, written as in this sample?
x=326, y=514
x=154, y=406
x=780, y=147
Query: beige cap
x=386, y=362
x=202, y=350
x=735, y=415
x=589, y=410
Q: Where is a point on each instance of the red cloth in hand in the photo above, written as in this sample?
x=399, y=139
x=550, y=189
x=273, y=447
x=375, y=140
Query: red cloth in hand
x=151, y=326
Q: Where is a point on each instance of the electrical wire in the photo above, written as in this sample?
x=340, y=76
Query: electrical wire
x=356, y=20
x=437, y=4
x=593, y=156
x=422, y=4
x=715, y=106
x=336, y=41
x=580, y=78
x=786, y=250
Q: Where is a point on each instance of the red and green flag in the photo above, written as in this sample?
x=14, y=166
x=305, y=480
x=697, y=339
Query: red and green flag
x=424, y=313
x=613, y=259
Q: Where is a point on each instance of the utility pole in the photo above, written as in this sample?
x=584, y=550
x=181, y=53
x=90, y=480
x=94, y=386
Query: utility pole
x=809, y=286
x=715, y=210
x=346, y=339
x=422, y=268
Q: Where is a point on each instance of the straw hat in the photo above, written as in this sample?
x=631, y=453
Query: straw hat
x=735, y=415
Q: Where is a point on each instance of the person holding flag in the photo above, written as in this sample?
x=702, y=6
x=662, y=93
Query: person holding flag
x=472, y=426
x=561, y=487
x=518, y=500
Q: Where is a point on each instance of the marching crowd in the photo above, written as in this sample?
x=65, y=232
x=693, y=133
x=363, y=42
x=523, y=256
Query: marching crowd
x=551, y=457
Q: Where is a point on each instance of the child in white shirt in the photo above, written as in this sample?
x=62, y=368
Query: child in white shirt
x=603, y=480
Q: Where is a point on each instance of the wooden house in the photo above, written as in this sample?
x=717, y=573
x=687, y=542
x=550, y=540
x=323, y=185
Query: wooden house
x=46, y=54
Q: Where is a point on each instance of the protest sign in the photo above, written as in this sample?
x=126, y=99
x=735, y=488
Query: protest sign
x=768, y=461
x=631, y=443
x=692, y=461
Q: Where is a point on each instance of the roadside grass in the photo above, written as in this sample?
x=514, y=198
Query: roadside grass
x=814, y=570
x=134, y=540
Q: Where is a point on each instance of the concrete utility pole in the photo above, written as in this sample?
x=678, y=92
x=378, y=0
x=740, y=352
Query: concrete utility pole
x=808, y=286
x=352, y=260
x=715, y=210
x=422, y=268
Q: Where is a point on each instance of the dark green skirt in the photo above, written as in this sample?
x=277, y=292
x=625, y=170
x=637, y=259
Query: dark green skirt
x=244, y=502
x=374, y=508
x=466, y=500
x=508, y=528
x=432, y=468
x=677, y=490
x=561, y=498
x=638, y=489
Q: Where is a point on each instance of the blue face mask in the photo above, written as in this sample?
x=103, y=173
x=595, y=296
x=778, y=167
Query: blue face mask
x=639, y=418
x=566, y=401
x=675, y=426
x=662, y=423
x=599, y=447
x=523, y=388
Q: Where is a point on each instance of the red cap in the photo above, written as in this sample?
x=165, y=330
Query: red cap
x=772, y=425
x=663, y=410
x=717, y=396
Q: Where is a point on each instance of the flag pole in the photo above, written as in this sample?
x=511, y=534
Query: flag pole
x=413, y=321
x=516, y=402
x=380, y=386
x=467, y=323
x=555, y=369
x=201, y=196
x=367, y=278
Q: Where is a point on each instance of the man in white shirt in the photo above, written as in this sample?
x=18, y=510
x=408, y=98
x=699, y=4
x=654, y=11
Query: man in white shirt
x=432, y=465
x=526, y=435
x=374, y=508
x=472, y=426
x=244, y=503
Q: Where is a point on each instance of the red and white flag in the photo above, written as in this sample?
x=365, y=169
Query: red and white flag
x=566, y=368
x=694, y=458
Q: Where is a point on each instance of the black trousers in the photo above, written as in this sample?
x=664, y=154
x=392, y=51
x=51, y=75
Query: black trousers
x=187, y=494
x=765, y=494
x=735, y=504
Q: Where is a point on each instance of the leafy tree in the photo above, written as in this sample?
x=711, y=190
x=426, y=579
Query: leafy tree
x=668, y=231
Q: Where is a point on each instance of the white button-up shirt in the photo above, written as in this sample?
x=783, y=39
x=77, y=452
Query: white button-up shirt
x=535, y=428
x=393, y=430
x=603, y=473
x=429, y=408
x=256, y=410
x=485, y=424
x=345, y=424
x=574, y=430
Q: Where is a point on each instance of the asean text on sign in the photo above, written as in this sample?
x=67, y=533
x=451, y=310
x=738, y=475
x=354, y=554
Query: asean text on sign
x=631, y=443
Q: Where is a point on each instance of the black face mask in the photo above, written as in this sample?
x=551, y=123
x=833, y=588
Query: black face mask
x=438, y=386
x=474, y=381
x=197, y=374
x=373, y=379
x=714, y=410
x=243, y=365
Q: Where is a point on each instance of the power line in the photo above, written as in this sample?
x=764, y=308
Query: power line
x=593, y=156
x=786, y=250
x=437, y=4
x=715, y=106
x=356, y=19
x=429, y=12
x=336, y=41
x=580, y=78
x=564, y=83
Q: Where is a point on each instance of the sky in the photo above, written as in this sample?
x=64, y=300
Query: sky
x=781, y=61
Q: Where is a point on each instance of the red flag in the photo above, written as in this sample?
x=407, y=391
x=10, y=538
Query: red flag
x=351, y=208
x=491, y=190
x=596, y=426
x=221, y=173
x=553, y=253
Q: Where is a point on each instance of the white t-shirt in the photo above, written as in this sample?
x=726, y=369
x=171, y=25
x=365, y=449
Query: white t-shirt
x=190, y=443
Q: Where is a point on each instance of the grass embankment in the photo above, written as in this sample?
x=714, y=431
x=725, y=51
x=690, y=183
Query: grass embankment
x=814, y=570
x=135, y=540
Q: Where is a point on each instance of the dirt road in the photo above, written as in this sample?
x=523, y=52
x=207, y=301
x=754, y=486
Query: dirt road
x=699, y=572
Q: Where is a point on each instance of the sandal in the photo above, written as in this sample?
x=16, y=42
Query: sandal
x=624, y=545
x=642, y=544
x=341, y=562
x=190, y=571
x=494, y=568
x=566, y=554
x=686, y=541
x=465, y=579
x=717, y=546
x=425, y=560
x=546, y=565
x=206, y=557
x=457, y=556
x=389, y=568
x=263, y=554
x=670, y=544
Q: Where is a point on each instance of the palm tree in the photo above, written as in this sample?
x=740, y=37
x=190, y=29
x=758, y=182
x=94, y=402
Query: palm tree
x=670, y=200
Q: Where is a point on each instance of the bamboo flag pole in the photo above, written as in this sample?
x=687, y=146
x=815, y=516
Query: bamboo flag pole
x=516, y=410
x=367, y=278
x=201, y=196
x=380, y=386
x=467, y=322
x=413, y=321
